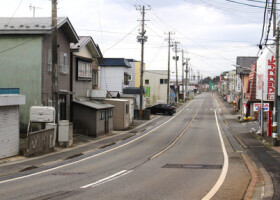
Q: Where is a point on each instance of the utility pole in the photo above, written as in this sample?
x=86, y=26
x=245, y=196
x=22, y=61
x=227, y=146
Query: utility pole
x=142, y=39
x=176, y=64
x=168, y=71
x=274, y=18
x=54, y=61
x=275, y=109
x=183, y=83
x=187, y=71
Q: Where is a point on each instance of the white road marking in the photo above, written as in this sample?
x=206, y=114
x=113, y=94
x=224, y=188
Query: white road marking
x=96, y=155
x=107, y=179
x=181, y=134
x=223, y=174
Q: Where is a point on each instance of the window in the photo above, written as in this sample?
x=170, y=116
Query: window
x=64, y=69
x=163, y=81
x=147, y=82
x=102, y=115
x=129, y=77
x=49, y=60
x=110, y=113
x=84, y=70
x=127, y=108
x=126, y=79
x=94, y=77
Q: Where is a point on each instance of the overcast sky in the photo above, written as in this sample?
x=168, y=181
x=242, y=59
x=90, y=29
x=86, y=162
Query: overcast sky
x=212, y=32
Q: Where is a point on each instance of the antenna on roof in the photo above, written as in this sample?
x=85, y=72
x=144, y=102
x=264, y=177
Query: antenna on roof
x=34, y=9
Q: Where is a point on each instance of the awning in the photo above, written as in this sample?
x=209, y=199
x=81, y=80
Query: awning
x=94, y=104
x=66, y=92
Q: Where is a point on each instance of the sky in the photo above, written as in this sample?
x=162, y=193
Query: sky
x=212, y=33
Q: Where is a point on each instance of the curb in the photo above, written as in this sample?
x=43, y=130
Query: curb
x=112, y=139
x=261, y=185
x=24, y=159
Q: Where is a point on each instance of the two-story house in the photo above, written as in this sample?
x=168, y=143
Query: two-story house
x=114, y=74
x=88, y=116
x=25, y=54
x=155, y=82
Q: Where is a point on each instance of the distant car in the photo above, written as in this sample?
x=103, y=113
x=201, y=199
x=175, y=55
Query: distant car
x=162, y=108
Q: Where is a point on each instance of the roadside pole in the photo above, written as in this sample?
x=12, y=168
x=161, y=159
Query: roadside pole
x=176, y=61
x=187, y=71
x=274, y=124
x=54, y=63
x=142, y=39
x=183, y=83
x=168, y=72
x=168, y=66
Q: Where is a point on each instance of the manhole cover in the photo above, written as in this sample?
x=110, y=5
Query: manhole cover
x=192, y=166
x=67, y=173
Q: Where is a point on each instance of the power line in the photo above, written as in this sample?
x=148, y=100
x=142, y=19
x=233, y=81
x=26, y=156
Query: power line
x=121, y=39
x=16, y=46
x=15, y=12
x=247, y=4
x=264, y=16
x=269, y=23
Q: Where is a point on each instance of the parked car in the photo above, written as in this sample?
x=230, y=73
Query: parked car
x=162, y=108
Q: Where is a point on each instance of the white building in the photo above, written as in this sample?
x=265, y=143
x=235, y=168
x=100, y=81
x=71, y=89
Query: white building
x=155, y=82
x=114, y=74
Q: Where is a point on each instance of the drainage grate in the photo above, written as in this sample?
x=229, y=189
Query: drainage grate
x=67, y=173
x=192, y=166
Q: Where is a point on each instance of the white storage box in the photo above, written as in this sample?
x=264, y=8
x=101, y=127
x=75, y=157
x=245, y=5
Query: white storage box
x=42, y=114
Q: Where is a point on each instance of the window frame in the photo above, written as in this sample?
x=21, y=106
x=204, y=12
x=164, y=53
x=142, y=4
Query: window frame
x=127, y=108
x=84, y=69
x=102, y=115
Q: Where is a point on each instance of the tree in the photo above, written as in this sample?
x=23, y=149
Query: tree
x=216, y=79
x=207, y=80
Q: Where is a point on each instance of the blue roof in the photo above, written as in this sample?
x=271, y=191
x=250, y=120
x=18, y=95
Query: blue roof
x=118, y=62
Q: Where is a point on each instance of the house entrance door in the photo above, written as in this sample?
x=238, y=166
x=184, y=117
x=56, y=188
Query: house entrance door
x=62, y=107
x=106, y=121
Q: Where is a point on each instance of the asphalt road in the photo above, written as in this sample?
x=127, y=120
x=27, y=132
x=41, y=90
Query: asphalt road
x=184, y=158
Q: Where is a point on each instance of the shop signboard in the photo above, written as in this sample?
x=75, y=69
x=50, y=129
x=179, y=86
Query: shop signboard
x=257, y=106
x=238, y=84
x=266, y=72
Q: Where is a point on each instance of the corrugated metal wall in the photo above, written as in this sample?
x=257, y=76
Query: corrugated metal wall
x=9, y=131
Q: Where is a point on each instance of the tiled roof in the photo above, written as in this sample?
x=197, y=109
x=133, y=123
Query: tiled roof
x=35, y=25
x=117, y=62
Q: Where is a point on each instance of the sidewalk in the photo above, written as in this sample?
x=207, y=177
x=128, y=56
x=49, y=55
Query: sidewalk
x=82, y=145
x=264, y=158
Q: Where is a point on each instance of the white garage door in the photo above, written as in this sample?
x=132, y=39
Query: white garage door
x=9, y=131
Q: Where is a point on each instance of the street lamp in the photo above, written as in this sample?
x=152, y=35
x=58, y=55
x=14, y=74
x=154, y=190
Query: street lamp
x=262, y=127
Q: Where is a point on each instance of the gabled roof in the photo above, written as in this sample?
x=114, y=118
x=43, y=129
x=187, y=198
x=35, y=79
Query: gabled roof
x=86, y=41
x=115, y=62
x=244, y=62
x=36, y=25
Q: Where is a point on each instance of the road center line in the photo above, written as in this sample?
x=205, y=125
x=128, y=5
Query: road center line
x=223, y=174
x=181, y=134
x=107, y=179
